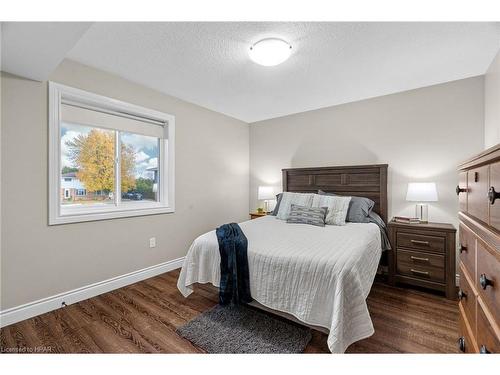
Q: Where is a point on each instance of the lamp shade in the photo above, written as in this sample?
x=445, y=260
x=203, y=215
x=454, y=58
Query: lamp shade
x=422, y=192
x=265, y=193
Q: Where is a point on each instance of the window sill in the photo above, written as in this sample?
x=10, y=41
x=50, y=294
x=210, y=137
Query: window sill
x=78, y=215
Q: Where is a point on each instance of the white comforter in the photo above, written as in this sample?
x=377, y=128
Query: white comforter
x=321, y=276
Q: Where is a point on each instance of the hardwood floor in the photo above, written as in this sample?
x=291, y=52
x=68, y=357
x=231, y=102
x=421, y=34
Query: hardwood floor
x=143, y=317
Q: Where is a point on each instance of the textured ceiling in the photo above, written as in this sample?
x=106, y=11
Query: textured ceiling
x=34, y=49
x=331, y=63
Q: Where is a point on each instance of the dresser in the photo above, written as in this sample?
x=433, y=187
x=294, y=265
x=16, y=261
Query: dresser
x=478, y=193
x=423, y=255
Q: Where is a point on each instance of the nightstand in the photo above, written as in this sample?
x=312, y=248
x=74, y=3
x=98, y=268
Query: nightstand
x=423, y=255
x=256, y=215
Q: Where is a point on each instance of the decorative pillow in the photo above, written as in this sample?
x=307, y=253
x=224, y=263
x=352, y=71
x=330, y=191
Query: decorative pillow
x=337, y=207
x=359, y=208
x=278, y=202
x=287, y=199
x=307, y=215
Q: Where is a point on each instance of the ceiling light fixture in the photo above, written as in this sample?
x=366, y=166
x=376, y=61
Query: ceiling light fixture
x=270, y=52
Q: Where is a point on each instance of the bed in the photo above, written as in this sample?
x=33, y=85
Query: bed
x=321, y=276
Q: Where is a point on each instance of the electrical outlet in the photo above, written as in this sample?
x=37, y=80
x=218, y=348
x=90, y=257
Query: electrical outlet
x=152, y=242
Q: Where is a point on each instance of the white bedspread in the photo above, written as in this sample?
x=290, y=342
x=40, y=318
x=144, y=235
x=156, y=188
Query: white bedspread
x=321, y=276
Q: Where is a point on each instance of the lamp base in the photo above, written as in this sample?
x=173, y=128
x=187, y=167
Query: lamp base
x=422, y=212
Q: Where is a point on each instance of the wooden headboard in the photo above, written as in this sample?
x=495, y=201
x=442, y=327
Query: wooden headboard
x=368, y=181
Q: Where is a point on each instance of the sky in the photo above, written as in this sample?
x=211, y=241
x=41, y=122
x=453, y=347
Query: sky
x=146, y=148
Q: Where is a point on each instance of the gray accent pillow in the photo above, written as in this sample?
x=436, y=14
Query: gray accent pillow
x=277, y=207
x=359, y=208
x=307, y=215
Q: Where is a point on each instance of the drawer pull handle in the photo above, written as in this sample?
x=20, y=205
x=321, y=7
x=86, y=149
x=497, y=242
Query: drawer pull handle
x=426, y=273
x=418, y=242
x=461, y=294
x=460, y=190
x=463, y=248
x=461, y=344
x=484, y=350
x=492, y=195
x=418, y=259
x=484, y=281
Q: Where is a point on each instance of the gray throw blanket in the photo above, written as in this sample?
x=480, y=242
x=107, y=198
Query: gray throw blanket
x=376, y=219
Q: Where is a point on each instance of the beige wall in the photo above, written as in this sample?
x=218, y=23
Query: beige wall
x=212, y=161
x=422, y=134
x=492, y=104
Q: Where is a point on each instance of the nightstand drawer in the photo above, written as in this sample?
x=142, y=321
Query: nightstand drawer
x=423, y=255
x=420, y=272
x=419, y=259
x=420, y=242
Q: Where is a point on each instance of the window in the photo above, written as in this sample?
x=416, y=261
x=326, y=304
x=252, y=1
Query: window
x=108, y=158
x=81, y=192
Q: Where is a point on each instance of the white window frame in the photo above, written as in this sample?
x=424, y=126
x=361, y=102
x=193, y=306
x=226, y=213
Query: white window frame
x=166, y=162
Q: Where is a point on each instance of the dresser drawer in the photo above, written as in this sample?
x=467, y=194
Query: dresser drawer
x=416, y=258
x=422, y=272
x=467, y=246
x=462, y=191
x=495, y=184
x=421, y=242
x=467, y=299
x=477, y=193
x=465, y=341
x=487, y=339
x=488, y=278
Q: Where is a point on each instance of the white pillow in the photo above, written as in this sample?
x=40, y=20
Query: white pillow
x=287, y=199
x=337, y=207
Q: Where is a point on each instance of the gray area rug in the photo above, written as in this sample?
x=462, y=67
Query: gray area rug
x=240, y=329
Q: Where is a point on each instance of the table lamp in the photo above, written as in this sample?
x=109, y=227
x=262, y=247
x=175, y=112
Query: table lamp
x=266, y=193
x=422, y=192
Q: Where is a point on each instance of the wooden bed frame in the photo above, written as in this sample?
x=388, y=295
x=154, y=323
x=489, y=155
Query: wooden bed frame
x=368, y=181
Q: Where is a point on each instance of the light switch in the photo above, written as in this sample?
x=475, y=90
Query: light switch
x=152, y=242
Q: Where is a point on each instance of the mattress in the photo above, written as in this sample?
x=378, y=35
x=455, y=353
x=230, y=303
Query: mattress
x=320, y=275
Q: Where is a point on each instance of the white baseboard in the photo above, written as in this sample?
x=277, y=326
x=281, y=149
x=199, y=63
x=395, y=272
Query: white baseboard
x=29, y=310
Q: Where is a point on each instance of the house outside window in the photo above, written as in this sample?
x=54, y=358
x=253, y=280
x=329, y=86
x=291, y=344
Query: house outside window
x=109, y=159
